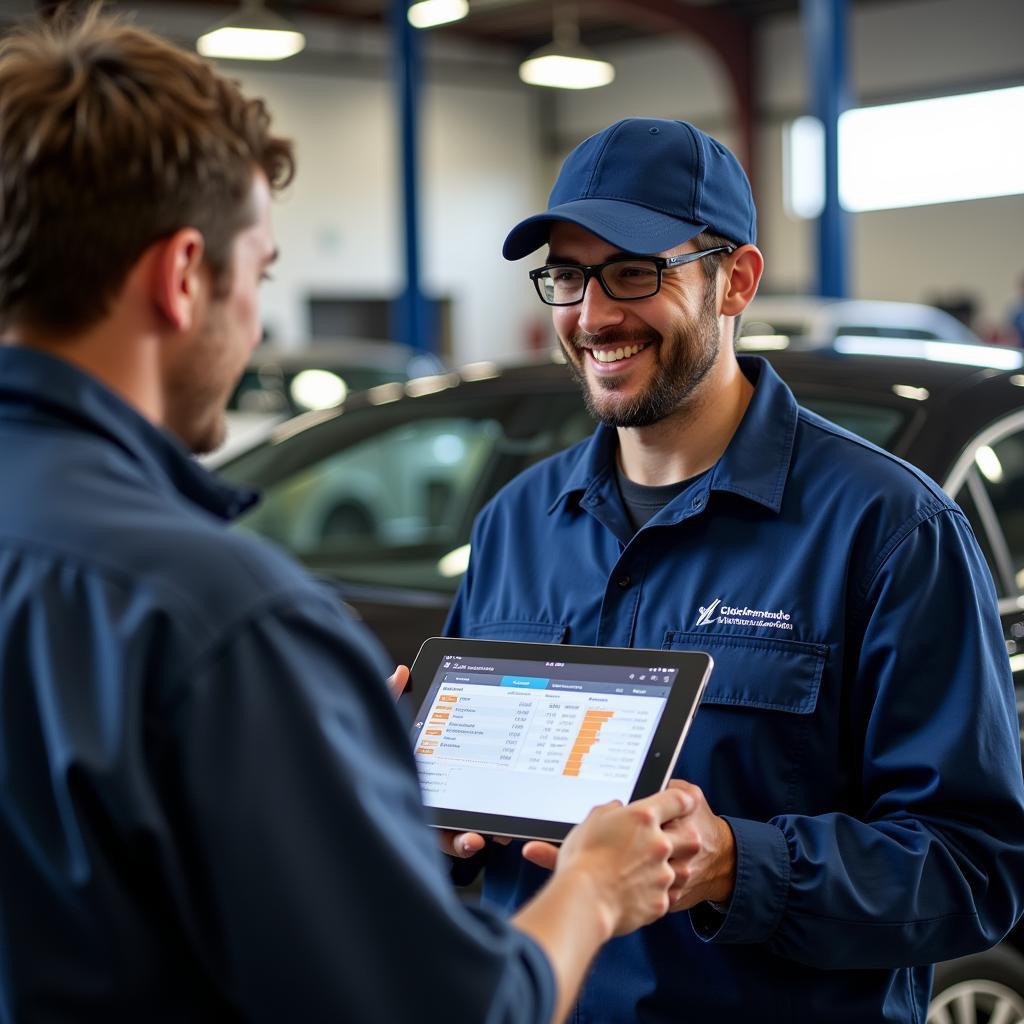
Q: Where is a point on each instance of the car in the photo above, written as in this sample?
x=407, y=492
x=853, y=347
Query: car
x=378, y=496
x=279, y=383
x=802, y=321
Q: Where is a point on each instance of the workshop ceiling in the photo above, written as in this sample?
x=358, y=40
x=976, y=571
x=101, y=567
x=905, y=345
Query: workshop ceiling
x=527, y=24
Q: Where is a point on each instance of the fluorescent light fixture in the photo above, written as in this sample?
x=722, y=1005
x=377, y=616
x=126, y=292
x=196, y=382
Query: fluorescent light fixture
x=428, y=13
x=252, y=33
x=941, y=150
x=565, y=63
x=560, y=70
x=936, y=351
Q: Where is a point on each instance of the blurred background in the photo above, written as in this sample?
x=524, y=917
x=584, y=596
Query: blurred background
x=441, y=164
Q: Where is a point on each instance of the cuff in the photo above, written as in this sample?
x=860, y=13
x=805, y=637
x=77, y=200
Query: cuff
x=762, y=885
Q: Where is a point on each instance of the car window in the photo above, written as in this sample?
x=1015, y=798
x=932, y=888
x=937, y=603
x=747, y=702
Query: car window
x=386, y=496
x=406, y=488
x=879, y=424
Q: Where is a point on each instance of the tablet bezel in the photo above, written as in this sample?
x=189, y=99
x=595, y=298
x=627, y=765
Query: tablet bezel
x=693, y=671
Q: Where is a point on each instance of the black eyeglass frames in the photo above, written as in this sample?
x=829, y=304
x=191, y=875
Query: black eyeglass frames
x=625, y=278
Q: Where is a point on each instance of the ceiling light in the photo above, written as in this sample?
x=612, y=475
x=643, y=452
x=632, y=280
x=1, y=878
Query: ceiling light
x=252, y=33
x=428, y=13
x=565, y=63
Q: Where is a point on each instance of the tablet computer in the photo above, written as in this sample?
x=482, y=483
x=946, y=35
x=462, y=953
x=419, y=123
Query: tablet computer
x=522, y=740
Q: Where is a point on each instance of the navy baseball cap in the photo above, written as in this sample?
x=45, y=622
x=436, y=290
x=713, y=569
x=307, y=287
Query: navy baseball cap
x=645, y=185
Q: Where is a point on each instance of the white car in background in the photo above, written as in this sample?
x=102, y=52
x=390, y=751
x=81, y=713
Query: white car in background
x=774, y=322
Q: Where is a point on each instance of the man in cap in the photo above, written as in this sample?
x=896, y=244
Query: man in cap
x=209, y=808
x=858, y=809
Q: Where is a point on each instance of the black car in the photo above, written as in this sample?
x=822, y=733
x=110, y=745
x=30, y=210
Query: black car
x=379, y=496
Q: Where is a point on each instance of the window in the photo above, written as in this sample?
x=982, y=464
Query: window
x=940, y=150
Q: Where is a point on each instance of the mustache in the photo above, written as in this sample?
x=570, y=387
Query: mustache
x=581, y=339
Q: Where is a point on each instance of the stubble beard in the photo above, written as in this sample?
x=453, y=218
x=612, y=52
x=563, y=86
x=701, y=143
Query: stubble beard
x=197, y=388
x=685, y=359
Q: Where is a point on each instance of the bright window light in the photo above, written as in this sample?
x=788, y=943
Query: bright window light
x=910, y=154
x=803, y=167
x=932, y=151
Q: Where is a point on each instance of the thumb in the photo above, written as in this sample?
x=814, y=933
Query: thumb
x=544, y=855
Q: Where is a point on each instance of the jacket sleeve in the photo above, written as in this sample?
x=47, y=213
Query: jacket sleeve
x=297, y=850
x=928, y=865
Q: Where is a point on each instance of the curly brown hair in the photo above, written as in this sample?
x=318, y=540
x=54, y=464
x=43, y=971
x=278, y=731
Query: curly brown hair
x=110, y=139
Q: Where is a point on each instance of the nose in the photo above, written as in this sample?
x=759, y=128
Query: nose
x=597, y=311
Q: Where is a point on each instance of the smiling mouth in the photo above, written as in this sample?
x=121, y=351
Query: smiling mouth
x=616, y=355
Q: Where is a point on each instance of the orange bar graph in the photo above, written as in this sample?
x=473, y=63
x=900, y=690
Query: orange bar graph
x=586, y=737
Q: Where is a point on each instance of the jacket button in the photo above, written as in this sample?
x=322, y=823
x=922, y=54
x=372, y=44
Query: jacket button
x=624, y=581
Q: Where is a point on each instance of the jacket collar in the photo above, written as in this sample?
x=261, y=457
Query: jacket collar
x=35, y=386
x=755, y=464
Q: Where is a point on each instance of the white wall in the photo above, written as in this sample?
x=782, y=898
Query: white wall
x=339, y=227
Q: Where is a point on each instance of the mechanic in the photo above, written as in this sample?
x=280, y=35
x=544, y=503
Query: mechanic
x=202, y=769
x=855, y=765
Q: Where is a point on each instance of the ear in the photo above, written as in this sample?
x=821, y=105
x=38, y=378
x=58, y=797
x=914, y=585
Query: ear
x=742, y=273
x=179, y=277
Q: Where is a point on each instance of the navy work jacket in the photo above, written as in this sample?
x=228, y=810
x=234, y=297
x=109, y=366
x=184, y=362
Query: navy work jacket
x=858, y=731
x=208, y=805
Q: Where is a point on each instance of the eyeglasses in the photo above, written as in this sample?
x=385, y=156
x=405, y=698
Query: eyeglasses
x=625, y=278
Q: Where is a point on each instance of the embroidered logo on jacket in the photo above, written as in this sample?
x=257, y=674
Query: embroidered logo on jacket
x=730, y=615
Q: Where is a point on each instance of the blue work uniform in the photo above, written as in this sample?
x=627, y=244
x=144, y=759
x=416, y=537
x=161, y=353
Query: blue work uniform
x=208, y=805
x=858, y=732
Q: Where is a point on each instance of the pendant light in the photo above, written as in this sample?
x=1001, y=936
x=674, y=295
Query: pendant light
x=252, y=33
x=565, y=63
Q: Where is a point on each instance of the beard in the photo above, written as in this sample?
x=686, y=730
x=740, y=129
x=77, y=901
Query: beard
x=197, y=387
x=685, y=358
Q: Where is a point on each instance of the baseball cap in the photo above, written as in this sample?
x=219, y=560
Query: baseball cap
x=645, y=185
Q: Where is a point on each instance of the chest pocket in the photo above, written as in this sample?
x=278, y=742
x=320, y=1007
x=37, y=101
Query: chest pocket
x=528, y=632
x=749, y=746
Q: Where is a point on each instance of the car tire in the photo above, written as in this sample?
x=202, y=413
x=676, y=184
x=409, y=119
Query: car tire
x=985, y=988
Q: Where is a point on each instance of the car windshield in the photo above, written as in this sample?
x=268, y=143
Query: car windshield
x=386, y=496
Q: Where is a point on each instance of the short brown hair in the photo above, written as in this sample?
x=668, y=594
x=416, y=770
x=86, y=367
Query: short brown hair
x=110, y=139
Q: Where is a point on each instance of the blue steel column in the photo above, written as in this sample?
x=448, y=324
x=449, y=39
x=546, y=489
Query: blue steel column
x=825, y=27
x=411, y=315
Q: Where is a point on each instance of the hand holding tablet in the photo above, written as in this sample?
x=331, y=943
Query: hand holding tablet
x=522, y=740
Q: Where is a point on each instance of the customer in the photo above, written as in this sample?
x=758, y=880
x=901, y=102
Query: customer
x=208, y=806
x=858, y=807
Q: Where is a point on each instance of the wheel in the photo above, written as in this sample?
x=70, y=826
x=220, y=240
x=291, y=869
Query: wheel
x=986, y=988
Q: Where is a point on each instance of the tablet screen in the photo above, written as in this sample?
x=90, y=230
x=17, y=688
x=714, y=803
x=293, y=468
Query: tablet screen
x=536, y=739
